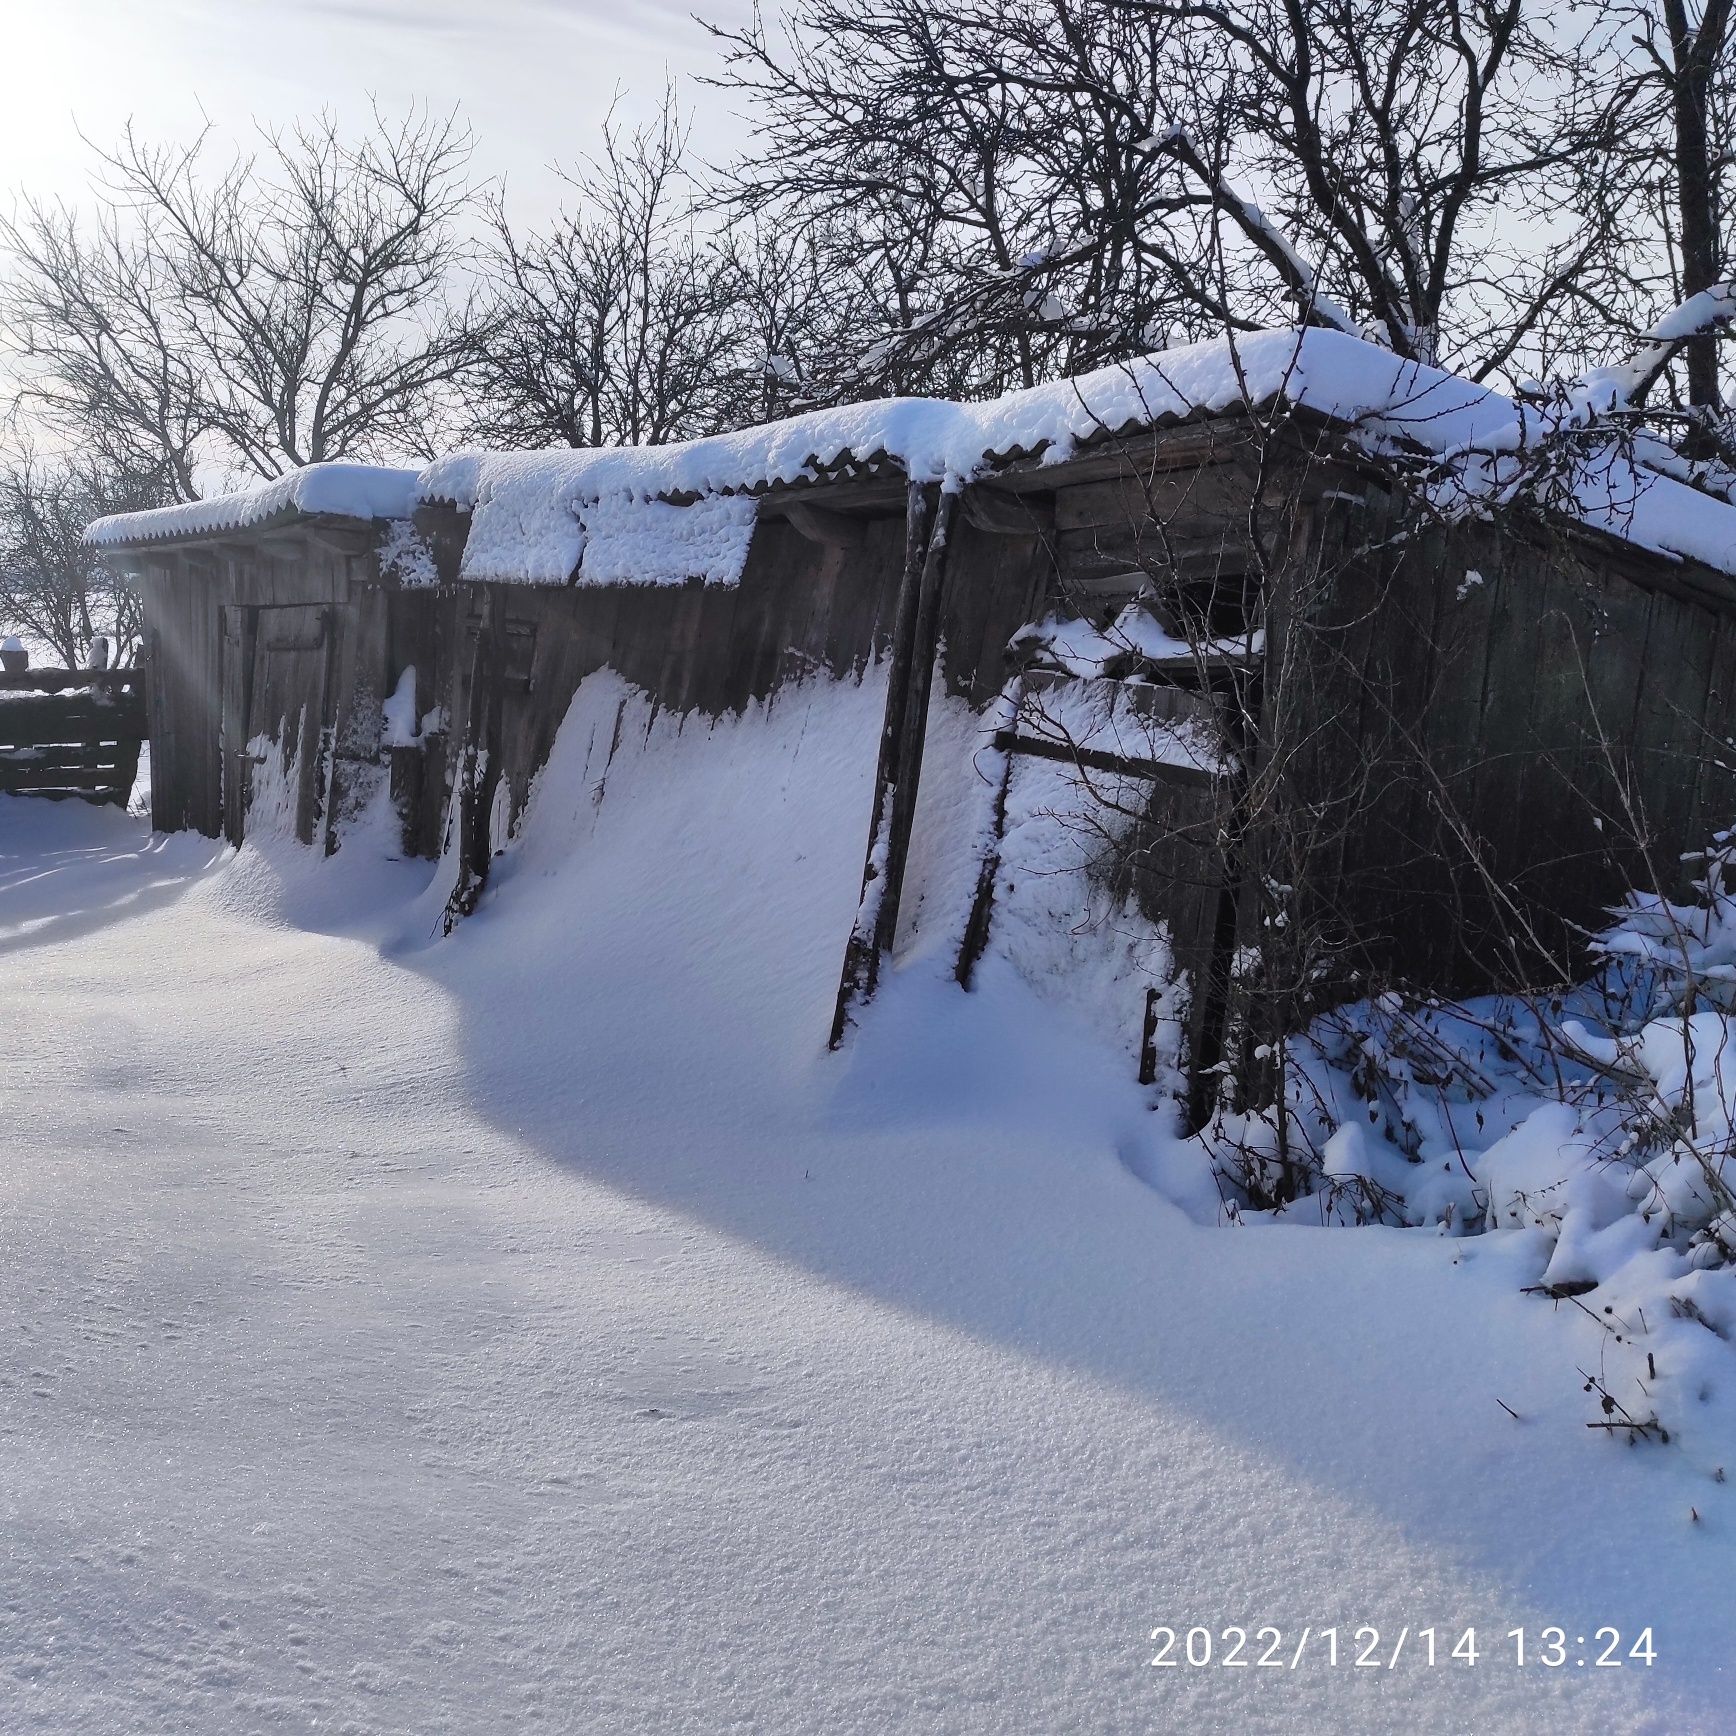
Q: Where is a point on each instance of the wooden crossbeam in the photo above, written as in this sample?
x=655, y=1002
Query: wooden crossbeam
x=1096, y=760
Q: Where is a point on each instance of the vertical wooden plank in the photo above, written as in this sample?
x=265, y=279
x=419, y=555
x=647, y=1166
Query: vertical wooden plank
x=1714, y=807
x=240, y=624
x=914, y=732
x=862, y=953
x=478, y=770
x=1667, y=733
x=1609, y=650
x=815, y=585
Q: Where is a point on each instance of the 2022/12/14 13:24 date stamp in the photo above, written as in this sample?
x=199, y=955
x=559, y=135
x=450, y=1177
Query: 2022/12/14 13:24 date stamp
x=1371, y=1648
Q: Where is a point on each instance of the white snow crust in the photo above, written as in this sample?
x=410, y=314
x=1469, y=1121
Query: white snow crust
x=344, y=490
x=538, y=1328
x=535, y=521
x=650, y=542
x=526, y=506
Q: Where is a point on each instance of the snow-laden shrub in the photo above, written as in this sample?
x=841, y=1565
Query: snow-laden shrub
x=1599, y=1124
x=406, y=556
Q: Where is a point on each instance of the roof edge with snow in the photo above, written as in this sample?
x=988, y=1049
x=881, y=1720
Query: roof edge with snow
x=529, y=510
x=363, y=492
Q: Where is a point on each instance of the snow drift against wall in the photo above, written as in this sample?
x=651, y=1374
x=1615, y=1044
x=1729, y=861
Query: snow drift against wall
x=624, y=1297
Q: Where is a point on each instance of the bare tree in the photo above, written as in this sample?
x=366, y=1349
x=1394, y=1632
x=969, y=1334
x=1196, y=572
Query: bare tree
x=1090, y=175
x=616, y=324
x=803, y=295
x=1662, y=196
x=53, y=587
x=921, y=134
x=291, y=307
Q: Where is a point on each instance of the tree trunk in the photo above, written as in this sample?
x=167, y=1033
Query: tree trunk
x=1695, y=51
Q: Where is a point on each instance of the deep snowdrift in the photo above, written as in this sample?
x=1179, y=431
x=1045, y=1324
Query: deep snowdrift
x=537, y=1328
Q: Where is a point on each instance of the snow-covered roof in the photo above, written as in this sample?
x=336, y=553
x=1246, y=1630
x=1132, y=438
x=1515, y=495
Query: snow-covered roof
x=526, y=506
x=361, y=491
x=533, y=513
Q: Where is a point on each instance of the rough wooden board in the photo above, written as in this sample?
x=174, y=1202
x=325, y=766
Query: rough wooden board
x=33, y=722
x=20, y=779
x=105, y=753
x=1714, y=807
x=51, y=680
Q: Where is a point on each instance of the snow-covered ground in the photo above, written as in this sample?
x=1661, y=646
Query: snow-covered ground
x=537, y=1329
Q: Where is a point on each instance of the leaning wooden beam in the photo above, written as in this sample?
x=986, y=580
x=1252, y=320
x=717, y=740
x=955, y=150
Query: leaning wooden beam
x=1093, y=759
x=976, y=929
x=472, y=788
x=861, y=959
x=907, y=786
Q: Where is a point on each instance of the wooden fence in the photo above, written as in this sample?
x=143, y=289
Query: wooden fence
x=71, y=732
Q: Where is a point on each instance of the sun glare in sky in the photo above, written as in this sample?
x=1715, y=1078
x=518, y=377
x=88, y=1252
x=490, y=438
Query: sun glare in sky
x=533, y=76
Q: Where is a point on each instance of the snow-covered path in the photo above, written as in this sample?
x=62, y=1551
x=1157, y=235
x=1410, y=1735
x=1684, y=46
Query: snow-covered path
x=529, y=1331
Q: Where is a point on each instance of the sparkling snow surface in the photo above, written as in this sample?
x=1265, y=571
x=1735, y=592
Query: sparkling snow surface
x=537, y=1330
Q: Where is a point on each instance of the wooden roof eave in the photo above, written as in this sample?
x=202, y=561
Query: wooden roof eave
x=287, y=528
x=1679, y=576
x=852, y=488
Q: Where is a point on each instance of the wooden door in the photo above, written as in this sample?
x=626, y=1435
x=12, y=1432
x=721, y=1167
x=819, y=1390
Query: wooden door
x=289, y=723
x=239, y=631
x=276, y=722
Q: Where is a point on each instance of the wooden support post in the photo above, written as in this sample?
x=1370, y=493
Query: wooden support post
x=473, y=788
x=1148, y=1040
x=861, y=957
x=907, y=784
x=976, y=928
x=916, y=633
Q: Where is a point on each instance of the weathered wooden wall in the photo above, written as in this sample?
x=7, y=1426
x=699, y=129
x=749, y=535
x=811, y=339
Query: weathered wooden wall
x=1517, y=728
x=800, y=609
x=183, y=646
x=1461, y=736
x=66, y=732
x=252, y=638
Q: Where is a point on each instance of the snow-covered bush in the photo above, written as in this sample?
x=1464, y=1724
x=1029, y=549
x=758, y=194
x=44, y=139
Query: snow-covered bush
x=1600, y=1124
x=406, y=556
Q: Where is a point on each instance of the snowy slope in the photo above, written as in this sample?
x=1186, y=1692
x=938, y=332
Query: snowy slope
x=537, y=1329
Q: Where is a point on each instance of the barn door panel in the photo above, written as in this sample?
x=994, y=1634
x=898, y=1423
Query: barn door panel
x=288, y=719
x=239, y=630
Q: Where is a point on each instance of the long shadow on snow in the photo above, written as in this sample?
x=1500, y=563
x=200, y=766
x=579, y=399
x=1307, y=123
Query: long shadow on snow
x=965, y=1159
x=68, y=869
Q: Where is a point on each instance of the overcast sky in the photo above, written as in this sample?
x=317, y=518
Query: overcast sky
x=533, y=76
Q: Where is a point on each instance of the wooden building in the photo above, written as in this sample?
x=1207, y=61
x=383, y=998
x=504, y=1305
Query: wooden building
x=1440, y=743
